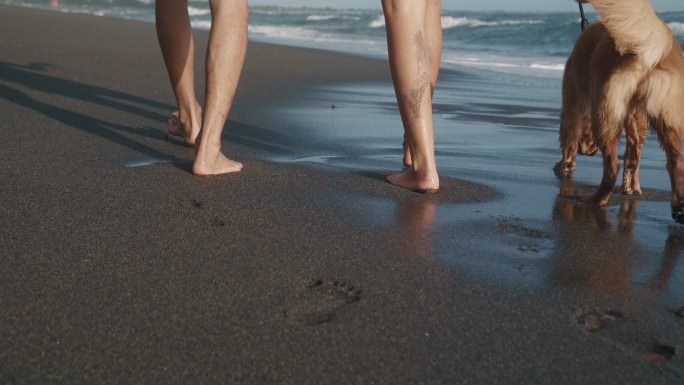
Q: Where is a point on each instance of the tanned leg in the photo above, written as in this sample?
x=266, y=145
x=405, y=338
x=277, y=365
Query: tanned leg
x=433, y=38
x=225, y=58
x=176, y=42
x=411, y=72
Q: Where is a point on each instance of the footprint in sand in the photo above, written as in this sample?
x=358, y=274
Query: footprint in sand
x=528, y=240
x=195, y=208
x=595, y=319
x=679, y=313
x=319, y=301
x=660, y=353
x=183, y=205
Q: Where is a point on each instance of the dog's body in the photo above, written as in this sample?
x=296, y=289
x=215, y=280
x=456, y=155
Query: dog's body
x=635, y=74
x=593, y=49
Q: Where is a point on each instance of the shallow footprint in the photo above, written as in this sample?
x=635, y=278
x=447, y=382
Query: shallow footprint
x=595, y=319
x=319, y=301
x=679, y=313
x=660, y=353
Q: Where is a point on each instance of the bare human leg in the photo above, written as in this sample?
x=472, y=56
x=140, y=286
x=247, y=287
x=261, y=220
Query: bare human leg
x=225, y=58
x=411, y=72
x=177, y=45
x=433, y=38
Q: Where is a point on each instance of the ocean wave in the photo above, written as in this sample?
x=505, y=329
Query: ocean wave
x=378, y=22
x=201, y=24
x=192, y=11
x=283, y=32
x=321, y=17
x=552, y=67
x=528, y=66
x=677, y=28
x=452, y=22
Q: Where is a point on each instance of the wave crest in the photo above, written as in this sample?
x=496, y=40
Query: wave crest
x=192, y=11
x=677, y=28
x=282, y=31
x=451, y=22
x=321, y=17
x=378, y=22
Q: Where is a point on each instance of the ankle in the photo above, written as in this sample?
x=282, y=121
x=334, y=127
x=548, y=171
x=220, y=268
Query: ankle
x=208, y=147
x=424, y=169
x=190, y=115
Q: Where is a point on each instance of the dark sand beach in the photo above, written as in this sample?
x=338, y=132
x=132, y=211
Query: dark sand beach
x=120, y=267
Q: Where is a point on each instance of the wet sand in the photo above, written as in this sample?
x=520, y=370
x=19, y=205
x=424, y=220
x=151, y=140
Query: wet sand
x=119, y=266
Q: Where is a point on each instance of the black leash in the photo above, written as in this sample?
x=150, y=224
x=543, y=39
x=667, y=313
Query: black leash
x=584, y=23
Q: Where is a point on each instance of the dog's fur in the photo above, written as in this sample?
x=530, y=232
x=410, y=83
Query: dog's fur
x=576, y=134
x=635, y=72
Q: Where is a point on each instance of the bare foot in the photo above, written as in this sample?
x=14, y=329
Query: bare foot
x=410, y=180
x=209, y=163
x=184, y=127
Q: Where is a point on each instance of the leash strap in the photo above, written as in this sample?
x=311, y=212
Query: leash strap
x=584, y=23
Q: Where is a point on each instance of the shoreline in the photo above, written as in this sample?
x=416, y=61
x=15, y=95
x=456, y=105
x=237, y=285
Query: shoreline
x=291, y=273
x=282, y=35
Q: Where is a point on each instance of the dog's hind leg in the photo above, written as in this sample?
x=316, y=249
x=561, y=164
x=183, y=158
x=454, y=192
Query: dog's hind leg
x=611, y=168
x=671, y=141
x=636, y=127
x=614, y=100
x=570, y=132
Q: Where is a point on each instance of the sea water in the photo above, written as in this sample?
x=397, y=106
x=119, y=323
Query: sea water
x=535, y=44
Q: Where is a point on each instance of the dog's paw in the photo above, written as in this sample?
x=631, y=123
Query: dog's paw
x=678, y=213
x=630, y=191
x=563, y=169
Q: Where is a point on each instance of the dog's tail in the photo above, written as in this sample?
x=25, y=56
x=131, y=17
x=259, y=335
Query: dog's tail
x=636, y=29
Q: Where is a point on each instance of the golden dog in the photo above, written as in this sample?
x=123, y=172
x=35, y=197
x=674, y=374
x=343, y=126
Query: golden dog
x=576, y=134
x=634, y=74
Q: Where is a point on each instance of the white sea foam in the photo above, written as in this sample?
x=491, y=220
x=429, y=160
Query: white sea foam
x=378, y=22
x=283, y=32
x=192, y=11
x=321, y=17
x=201, y=24
x=523, y=66
x=551, y=67
x=677, y=28
x=451, y=22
